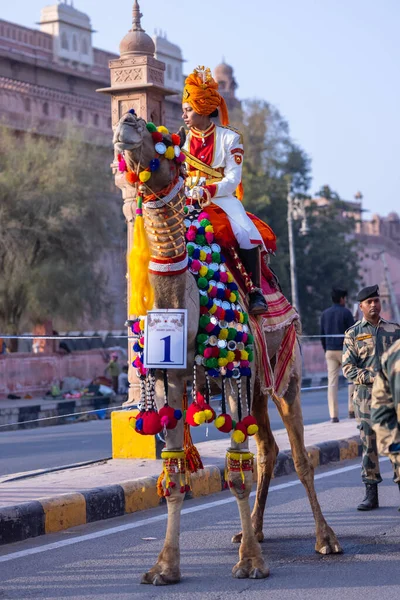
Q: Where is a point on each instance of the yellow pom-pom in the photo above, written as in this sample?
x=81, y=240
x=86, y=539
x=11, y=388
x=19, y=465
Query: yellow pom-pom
x=208, y=414
x=170, y=153
x=244, y=355
x=219, y=422
x=144, y=176
x=213, y=309
x=203, y=271
x=203, y=255
x=252, y=429
x=199, y=417
x=163, y=130
x=230, y=277
x=230, y=356
x=232, y=297
x=222, y=362
x=141, y=344
x=132, y=422
x=209, y=229
x=223, y=334
x=241, y=317
x=141, y=323
x=238, y=436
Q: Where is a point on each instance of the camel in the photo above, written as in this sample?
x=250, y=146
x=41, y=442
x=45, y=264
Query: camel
x=180, y=291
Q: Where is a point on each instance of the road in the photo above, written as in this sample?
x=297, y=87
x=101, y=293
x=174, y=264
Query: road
x=47, y=447
x=106, y=559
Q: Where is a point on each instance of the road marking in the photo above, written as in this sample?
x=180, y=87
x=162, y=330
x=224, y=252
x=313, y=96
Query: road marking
x=158, y=518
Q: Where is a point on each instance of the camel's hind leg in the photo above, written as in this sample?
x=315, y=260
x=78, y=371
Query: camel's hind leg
x=267, y=451
x=290, y=410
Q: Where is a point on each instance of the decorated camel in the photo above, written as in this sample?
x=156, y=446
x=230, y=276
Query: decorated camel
x=276, y=372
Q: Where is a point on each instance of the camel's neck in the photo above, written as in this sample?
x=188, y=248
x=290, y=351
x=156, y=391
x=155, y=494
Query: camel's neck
x=166, y=234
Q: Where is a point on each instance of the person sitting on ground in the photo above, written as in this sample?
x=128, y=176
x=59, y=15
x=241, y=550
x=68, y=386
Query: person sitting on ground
x=114, y=369
x=334, y=322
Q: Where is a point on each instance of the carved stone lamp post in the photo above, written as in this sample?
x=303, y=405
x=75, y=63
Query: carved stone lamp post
x=137, y=81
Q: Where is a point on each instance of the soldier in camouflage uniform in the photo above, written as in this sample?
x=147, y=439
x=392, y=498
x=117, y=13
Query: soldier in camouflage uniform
x=364, y=345
x=385, y=413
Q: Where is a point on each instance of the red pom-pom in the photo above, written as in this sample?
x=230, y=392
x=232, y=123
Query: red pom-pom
x=251, y=424
x=182, y=490
x=131, y=177
x=167, y=492
x=157, y=137
x=240, y=434
x=171, y=484
x=195, y=415
x=224, y=423
x=151, y=423
x=230, y=484
x=187, y=488
x=175, y=139
x=167, y=416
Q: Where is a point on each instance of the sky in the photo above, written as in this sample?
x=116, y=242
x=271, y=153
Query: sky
x=331, y=67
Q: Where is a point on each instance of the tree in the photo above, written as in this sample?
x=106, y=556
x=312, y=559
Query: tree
x=54, y=225
x=328, y=255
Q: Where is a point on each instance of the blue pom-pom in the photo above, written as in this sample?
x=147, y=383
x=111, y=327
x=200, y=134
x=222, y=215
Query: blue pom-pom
x=178, y=414
x=245, y=371
x=154, y=164
x=136, y=347
x=132, y=111
x=213, y=372
x=228, y=373
x=229, y=315
x=220, y=294
x=216, y=276
x=216, y=330
x=210, y=303
x=201, y=231
x=232, y=286
x=139, y=424
x=239, y=336
x=196, y=253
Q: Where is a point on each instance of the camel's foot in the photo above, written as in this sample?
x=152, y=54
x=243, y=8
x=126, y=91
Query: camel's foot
x=251, y=568
x=327, y=542
x=161, y=575
x=237, y=539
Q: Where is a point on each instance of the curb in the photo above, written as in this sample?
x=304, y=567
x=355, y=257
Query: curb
x=51, y=515
x=43, y=409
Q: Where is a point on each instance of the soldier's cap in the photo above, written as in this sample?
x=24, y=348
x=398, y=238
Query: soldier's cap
x=371, y=291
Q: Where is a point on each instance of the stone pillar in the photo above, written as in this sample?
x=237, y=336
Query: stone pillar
x=137, y=81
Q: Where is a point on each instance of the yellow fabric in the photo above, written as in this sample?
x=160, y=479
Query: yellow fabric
x=141, y=293
x=201, y=92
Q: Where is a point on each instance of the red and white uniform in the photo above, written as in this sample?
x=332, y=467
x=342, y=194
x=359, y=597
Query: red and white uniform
x=221, y=148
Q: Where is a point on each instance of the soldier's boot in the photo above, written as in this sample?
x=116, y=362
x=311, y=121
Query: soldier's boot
x=371, y=497
x=251, y=262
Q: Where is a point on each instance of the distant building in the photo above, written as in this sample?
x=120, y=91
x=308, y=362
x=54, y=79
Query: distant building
x=171, y=55
x=223, y=75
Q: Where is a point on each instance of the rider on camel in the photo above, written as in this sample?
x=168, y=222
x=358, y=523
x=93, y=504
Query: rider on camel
x=214, y=156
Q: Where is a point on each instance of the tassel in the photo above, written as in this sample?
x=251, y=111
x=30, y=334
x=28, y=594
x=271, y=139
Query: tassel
x=141, y=293
x=192, y=455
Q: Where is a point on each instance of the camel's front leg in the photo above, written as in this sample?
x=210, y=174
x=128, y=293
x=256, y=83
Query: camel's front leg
x=240, y=476
x=167, y=568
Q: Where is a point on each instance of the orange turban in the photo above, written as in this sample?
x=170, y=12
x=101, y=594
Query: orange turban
x=201, y=92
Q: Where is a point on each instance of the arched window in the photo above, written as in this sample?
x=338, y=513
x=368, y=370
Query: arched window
x=85, y=47
x=74, y=43
x=79, y=116
x=96, y=120
x=63, y=112
x=46, y=108
x=27, y=104
x=64, y=41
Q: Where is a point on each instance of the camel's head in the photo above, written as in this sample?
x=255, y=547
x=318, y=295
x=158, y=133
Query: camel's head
x=145, y=148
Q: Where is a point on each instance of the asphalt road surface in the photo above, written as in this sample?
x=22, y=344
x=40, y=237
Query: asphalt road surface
x=47, y=447
x=106, y=559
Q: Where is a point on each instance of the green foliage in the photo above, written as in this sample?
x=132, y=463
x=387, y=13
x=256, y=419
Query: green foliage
x=54, y=225
x=328, y=255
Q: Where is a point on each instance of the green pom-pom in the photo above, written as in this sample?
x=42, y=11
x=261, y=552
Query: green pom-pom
x=231, y=333
x=245, y=318
x=200, y=239
x=202, y=283
x=250, y=339
x=205, y=222
x=151, y=127
x=185, y=210
x=234, y=423
x=210, y=274
x=200, y=349
x=251, y=357
x=204, y=320
x=190, y=249
x=212, y=363
x=202, y=338
x=216, y=257
x=203, y=300
x=236, y=295
x=223, y=353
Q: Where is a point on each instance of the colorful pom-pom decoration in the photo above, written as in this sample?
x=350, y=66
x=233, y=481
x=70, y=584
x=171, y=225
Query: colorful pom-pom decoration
x=175, y=139
x=251, y=424
x=144, y=176
x=131, y=177
x=160, y=148
x=151, y=127
x=224, y=423
x=163, y=130
x=169, y=153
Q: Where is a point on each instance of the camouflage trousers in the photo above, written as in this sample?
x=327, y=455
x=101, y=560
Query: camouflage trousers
x=395, y=460
x=370, y=472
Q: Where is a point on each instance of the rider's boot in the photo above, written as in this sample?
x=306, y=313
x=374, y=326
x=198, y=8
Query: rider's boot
x=371, y=497
x=251, y=262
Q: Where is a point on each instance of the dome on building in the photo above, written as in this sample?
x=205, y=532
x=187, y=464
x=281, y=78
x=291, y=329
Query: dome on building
x=223, y=70
x=137, y=41
x=393, y=216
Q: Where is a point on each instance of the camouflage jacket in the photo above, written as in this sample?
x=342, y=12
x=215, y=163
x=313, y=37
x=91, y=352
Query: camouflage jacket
x=363, y=347
x=385, y=406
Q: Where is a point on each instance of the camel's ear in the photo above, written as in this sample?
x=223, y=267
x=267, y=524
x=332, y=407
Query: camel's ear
x=182, y=135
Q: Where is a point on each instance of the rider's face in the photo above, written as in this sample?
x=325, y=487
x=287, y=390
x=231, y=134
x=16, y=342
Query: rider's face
x=190, y=117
